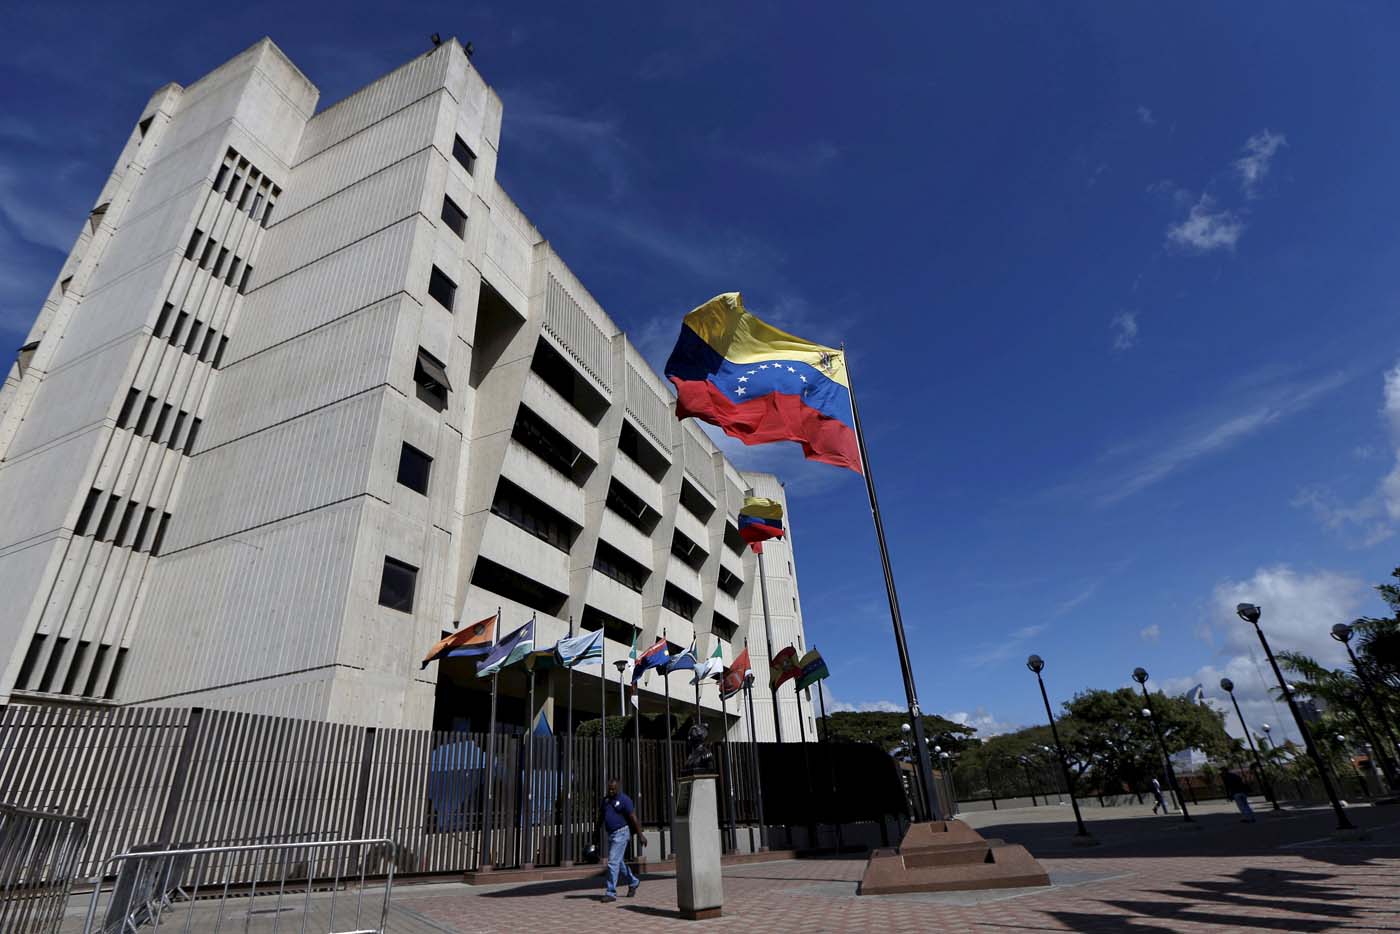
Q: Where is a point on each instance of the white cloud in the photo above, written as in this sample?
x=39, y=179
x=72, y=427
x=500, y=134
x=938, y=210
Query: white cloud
x=1206, y=229
x=1125, y=330
x=1150, y=633
x=544, y=129
x=1145, y=116
x=1259, y=152
x=983, y=722
x=1372, y=519
x=1298, y=612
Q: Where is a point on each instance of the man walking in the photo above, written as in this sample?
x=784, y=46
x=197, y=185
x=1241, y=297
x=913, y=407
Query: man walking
x=1236, y=791
x=620, y=821
x=1161, y=801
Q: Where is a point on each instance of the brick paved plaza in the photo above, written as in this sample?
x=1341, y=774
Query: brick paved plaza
x=1283, y=873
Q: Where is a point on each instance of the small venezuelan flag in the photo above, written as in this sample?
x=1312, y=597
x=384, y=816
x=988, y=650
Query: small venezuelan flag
x=759, y=520
x=760, y=384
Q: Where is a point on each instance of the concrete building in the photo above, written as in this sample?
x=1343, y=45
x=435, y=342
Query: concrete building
x=309, y=391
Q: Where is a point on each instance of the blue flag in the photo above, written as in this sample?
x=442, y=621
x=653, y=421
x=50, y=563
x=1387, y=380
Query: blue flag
x=584, y=649
x=682, y=662
x=511, y=650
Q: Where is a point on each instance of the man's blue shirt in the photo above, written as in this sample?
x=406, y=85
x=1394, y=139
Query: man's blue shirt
x=615, y=811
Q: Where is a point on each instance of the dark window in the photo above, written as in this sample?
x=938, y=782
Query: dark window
x=63, y=285
x=564, y=378
x=116, y=674
x=31, y=658
x=442, y=288
x=52, y=667
x=209, y=246
x=145, y=126
x=695, y=502
x=124, y=415
x=463, y=154
x=257, y=203
x=163, y=319
x=454, y=217
x=613, y=628
x=96, y=672
x=175, y=430
x=397, y=585
x=723, y=628
x=515, y=586
x=144, y=420
x=679, y=602
x=209, y=336
x=243, y=198
x=194, y=433
x=430, y=376
x=85, y=514
x=219, y=263
x=160, y=533
x=140, y=538
x=732, y=539
x=164, y=416
x=414, y=468
x=525, y=511
x=219, y=357
x=194, y=336
x=122, y=527
x=729, y=582
x=233, y=187
x=194, y=243
x=267, y=214
x=642, y=451
x=630, y=506
x=243, y=283
x=232, y=271
x=690, y=553
x=219, y=179
x=105, y=522
x=178, y=327
x=552, y=447
x=610, y=562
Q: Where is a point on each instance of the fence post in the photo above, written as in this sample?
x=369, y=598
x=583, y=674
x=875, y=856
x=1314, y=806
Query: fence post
x=176, y=795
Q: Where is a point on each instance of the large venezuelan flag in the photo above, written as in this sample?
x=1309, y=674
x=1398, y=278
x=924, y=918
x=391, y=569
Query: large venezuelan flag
x=760, y=384
x=759, y=520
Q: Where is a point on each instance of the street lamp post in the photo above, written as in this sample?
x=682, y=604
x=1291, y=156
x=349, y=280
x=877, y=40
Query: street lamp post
x=1228, y=687
x=952, y=785
x=1343, y=633
x=1250, y=614
x=1140, y=676
x=1037, y=664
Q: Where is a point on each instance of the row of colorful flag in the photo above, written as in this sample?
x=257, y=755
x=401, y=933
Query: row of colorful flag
x=479, y=641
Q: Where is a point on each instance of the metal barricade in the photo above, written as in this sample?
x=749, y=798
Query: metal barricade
x=39, y=854
x=302, y=887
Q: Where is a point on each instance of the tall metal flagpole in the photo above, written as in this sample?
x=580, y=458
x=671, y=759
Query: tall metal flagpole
x=485, y=863
x=637, y=764
x=733, y=832
x=670, y=791
x=757, y=769
x=768, y=635
x=603, y=754
x=911, y=693
x=567, y=857
x=527, y=812
x=806, y=769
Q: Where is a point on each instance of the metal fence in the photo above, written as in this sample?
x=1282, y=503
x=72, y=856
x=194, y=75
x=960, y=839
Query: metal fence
x=200, y=778
x=39, y=854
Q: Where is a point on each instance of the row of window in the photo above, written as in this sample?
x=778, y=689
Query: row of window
x=45, y=682
x=550, y=445
x=229, y=271
x=146, y=421
x=199, y=340
x=247, y=188
x=631, y=508
x=691, y=554
x=531, y=514
x=118, y=523
x=612, y=562
x=679, y=602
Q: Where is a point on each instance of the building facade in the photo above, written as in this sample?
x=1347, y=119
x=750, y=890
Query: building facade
x=310, y=390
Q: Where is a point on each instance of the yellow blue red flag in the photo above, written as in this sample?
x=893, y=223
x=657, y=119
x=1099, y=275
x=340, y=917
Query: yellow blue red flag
x=759, y=384
x=759, y=520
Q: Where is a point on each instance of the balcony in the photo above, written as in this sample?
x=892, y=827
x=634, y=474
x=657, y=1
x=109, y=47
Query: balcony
x=626, y=472
x=540, y=397
x=685, y=577
x=626, y=538
x=613, y=598
x=693, y=529
x=513, y=547
x=529, y=471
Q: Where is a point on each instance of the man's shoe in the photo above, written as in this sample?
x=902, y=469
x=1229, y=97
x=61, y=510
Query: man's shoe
x=609, y=898
x=632, y=890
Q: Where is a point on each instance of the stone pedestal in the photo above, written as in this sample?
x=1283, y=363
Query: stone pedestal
x=949, y=856
x=699, y=885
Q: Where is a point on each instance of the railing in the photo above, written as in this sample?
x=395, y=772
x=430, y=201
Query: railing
x=199, y=888
x=39, y=857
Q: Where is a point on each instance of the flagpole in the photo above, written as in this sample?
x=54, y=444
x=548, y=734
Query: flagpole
x=603, y=756
x=768, y=634
x=806, y=768
x=911, y=693
x=566, y=858
x=485, y=863
x=637, y=764
x=527, y=813
x=733, y=832
x=670, y=792
x=757, y=769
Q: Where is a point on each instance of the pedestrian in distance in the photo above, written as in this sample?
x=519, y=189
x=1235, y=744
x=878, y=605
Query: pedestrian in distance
x=619, y=819
x=1161, y=799
x=1236, y=791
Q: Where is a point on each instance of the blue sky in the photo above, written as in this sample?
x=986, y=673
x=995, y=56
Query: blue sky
x=1118, y=283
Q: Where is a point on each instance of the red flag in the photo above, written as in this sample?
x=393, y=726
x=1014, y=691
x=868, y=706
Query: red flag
x=783, y=667
x=733, y=681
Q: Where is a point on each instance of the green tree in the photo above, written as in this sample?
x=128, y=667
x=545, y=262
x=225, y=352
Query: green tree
x=884, y=729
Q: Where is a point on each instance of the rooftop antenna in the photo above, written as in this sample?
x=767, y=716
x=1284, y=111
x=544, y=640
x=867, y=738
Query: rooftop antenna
x=469, y=50
x=437, y=39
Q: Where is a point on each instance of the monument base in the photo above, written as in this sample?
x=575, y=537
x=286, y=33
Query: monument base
x=949, y=856
x=699, y=884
